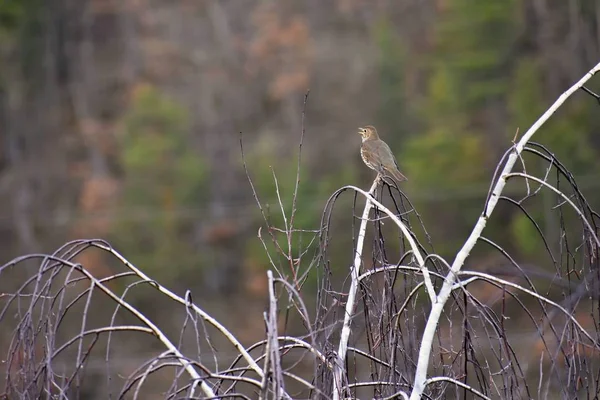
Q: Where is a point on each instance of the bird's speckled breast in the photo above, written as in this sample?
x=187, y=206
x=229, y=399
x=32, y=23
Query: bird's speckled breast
x=365, y=157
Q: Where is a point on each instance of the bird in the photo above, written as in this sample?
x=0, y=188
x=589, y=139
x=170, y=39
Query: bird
x=377, y=155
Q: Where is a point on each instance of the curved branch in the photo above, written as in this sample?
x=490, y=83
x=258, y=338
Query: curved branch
x=199, y=311
x=457, y=383
x=446, y=290
x=481, y=275
x=354, y=271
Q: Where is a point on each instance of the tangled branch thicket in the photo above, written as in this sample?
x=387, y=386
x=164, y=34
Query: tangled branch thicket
x=404, y=324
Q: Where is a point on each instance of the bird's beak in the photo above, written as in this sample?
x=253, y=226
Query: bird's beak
x=361, y=131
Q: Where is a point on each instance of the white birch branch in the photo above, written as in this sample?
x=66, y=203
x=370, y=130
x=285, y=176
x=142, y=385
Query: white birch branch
x=232, y=339
x=420, y=381
x=172, y=349
x=408, y=236
x=355, y=278
x=338, y=369
x=272, y=335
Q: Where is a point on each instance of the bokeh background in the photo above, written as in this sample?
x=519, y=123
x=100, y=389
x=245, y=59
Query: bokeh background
x=121, y=120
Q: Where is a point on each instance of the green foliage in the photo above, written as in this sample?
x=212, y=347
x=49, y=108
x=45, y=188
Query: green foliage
x=164, y=179
x=525, y=235
x=570, y=138
x=443, y=104
x=467, y=77
x=474, y=41
x=157, y=156
x=525, y=98
x=444, y=158
x=11, y=14
x=21, y=38
x=393, y=115
x=567, y=134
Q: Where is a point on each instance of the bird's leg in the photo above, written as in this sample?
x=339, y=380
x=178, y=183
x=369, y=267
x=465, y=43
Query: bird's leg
x=378, y=183
x=378, y=179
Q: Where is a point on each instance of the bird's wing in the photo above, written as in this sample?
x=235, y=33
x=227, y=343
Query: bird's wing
x=385, y=153
x=388, y=159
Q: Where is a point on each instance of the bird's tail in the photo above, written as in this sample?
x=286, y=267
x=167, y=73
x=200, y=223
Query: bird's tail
x=397, y=175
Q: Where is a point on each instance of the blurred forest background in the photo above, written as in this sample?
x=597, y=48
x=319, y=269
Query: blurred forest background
x=121, y=120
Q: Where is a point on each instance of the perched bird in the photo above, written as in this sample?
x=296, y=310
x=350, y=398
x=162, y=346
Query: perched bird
x=378, y=155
